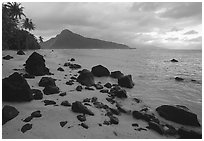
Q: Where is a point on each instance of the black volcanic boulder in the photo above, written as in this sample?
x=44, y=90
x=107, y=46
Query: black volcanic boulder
x=116, y=74
x=156, y=127
x=145, y=116
x=126, y=81
x=16, y=88
x=178, y=114
x=46, y=81
x=8, y=113
x=48, y=90
x=188, y=134
x=35, y=65
x=20, y=52
x=7, y=57
x=78, y=107
x=174, y=60
x=118, y=92
x=60, y=69
x=74, y=66
x=100, y=71
x=178, y=79
x=37, y=94
x=29, y=76
x=86, y=78
x=108, y=85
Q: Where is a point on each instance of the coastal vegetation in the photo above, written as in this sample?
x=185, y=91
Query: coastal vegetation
x=16, y=28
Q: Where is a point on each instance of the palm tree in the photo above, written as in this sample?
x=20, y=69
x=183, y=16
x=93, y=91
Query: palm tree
x=28, y=24
x=16, y=10
x=41, y=39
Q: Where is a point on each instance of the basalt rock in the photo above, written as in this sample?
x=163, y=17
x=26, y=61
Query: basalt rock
x=16, y=88
x=81, y=118
x=74, y=66
x=47, y=81
x=178, y=114
x=188, y=134
x=156, y=127
x=66, y=103
x=60, y=69
x=26, y=127
x=126, y=81
x=37, y=94
x=29, y=76
x=100, y=71
x=78, y=107
x=35, y=65
x=7, y=57
x=98, y=86
x=49, y=102
x=86, y=78
x=174, y=60
x=8, y=113
x=116, y=74
x=48, y=90
x=179, y=79
x=108, y=85
x=20, y=52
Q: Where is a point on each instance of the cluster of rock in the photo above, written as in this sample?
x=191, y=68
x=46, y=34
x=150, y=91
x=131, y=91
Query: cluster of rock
x=176, y=113
x=15, y=88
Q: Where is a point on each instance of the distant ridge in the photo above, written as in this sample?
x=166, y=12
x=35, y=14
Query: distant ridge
x=69, y=40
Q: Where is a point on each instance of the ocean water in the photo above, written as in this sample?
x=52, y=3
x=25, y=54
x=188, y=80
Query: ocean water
x=152, y=73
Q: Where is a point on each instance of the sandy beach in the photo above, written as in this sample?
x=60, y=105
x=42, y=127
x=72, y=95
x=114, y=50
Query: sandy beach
x=48, y=126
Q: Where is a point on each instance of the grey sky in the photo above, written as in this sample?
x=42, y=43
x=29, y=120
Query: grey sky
x=170, y=25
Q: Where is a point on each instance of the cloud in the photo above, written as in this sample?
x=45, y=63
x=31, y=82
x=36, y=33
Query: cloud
x=172, y=39
x=129, y=23
x=191, y=32
x=183, y=10
x=197, y=39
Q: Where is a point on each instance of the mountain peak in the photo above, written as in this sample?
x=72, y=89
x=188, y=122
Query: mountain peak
x=67, y=39
x=66, y=31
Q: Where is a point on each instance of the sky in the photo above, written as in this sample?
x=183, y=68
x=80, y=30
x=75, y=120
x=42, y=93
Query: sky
x=174, y=25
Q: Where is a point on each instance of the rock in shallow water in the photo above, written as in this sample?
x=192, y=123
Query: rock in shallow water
x=178, y=114
x=100, y=71
x=126, y=81
x=8, y=113
x=16, y=88
x=116, y=74
x=174, y=60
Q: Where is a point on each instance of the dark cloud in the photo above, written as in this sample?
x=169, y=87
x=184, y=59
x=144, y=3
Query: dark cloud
x=191, y=32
